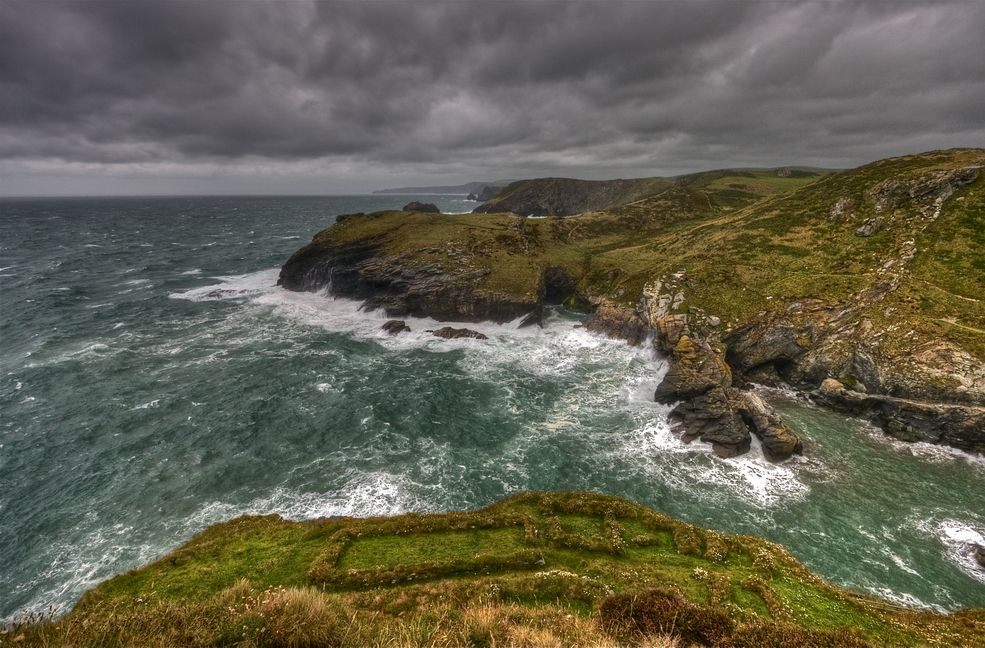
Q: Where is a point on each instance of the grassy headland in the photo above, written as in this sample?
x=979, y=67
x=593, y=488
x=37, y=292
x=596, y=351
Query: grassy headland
x=544, y=569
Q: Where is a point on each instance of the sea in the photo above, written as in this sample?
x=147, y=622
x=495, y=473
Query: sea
x=155, y=380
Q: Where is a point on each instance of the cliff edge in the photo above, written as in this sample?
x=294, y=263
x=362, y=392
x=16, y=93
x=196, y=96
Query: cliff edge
x=865, y=288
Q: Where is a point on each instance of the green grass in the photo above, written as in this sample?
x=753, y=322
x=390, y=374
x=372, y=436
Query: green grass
x=555, y=563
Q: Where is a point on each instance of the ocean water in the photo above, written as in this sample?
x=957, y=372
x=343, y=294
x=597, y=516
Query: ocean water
x=154, y=380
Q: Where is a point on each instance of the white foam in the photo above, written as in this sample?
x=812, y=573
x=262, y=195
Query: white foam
x=960, y=540
x=604, y=375
x=82, y=561
x=233, y=287
x=660, y=455
x=364, y=494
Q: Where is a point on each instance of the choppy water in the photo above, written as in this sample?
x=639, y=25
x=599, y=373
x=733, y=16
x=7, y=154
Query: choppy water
x=155, y=380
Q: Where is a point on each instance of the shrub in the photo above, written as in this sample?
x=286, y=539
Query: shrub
x=661, y=612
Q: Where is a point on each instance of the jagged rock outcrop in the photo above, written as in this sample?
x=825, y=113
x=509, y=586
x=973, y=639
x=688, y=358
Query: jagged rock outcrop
x=395, y=327
x=933, y=392
x=450, y=333
x=956, y=425
x=488, y=193
x=779, y=441
x=715, y=417
x=427, y=208
x=694, y=370
x=620, y=323
x=698, y=378
x=360, y=270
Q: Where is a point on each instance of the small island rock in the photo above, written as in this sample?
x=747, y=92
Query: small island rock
x=395, y=327
x=427, y=208
x=450, y=333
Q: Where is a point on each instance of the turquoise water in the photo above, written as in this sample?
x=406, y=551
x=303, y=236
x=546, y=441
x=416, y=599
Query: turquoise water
x=154, y=380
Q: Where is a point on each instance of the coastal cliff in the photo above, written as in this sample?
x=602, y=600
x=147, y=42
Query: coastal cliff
x=536, y=569
x=864, y=288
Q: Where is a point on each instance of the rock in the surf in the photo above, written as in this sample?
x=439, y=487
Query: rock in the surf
x=395, y=327
x=450, y=333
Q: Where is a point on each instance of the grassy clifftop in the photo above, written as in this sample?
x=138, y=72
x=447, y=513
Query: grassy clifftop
x=535, y=569
x=749, y=242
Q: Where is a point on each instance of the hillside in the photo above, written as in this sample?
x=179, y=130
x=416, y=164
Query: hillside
x=865, y=287
x=467, y=188
x=568, y=197
x=535, y=569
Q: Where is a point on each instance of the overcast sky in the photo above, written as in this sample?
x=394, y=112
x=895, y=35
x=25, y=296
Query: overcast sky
x=207, y=96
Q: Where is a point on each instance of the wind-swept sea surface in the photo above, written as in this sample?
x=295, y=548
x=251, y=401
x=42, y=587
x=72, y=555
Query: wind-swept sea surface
x=155, y=380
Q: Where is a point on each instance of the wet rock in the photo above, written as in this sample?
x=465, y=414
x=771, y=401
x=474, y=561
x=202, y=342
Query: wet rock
x=779, y=441
x=618, y=322
x=959, y=426
x=395, y=327
x=980, y=555
x=694, y=369
x=361, y=271
x=450, y=333
x=428, y=208
x=714, y=417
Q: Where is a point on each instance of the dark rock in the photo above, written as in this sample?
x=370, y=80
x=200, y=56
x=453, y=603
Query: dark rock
x=694, y=369
x=427, y=208
x=360, y=271
x=472, y=196
x=450, y=333
x=980, y=555
x=779, y=441
x=715, y=417
x=960, y=426
x=395, y=327
x=926, y=193
x=618, y=322
x=488, y=193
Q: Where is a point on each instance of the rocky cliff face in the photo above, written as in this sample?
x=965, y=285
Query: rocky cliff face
x=698, y=380
x=738, y=279
x=362, y=271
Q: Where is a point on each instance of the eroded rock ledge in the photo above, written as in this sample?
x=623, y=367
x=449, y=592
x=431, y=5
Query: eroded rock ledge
x=708, y=406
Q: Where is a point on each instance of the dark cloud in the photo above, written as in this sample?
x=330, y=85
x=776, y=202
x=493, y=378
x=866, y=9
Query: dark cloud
x=366, y=92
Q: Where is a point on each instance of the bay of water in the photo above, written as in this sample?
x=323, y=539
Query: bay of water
x=154, y=380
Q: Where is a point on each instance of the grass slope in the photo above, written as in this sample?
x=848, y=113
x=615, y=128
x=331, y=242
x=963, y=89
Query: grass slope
x=535, y=569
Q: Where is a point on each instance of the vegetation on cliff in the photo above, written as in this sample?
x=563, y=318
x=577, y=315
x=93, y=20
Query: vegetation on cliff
x=545, y=569
x=873, y=277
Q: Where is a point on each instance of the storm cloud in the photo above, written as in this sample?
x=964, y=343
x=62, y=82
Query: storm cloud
x=315, y=97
